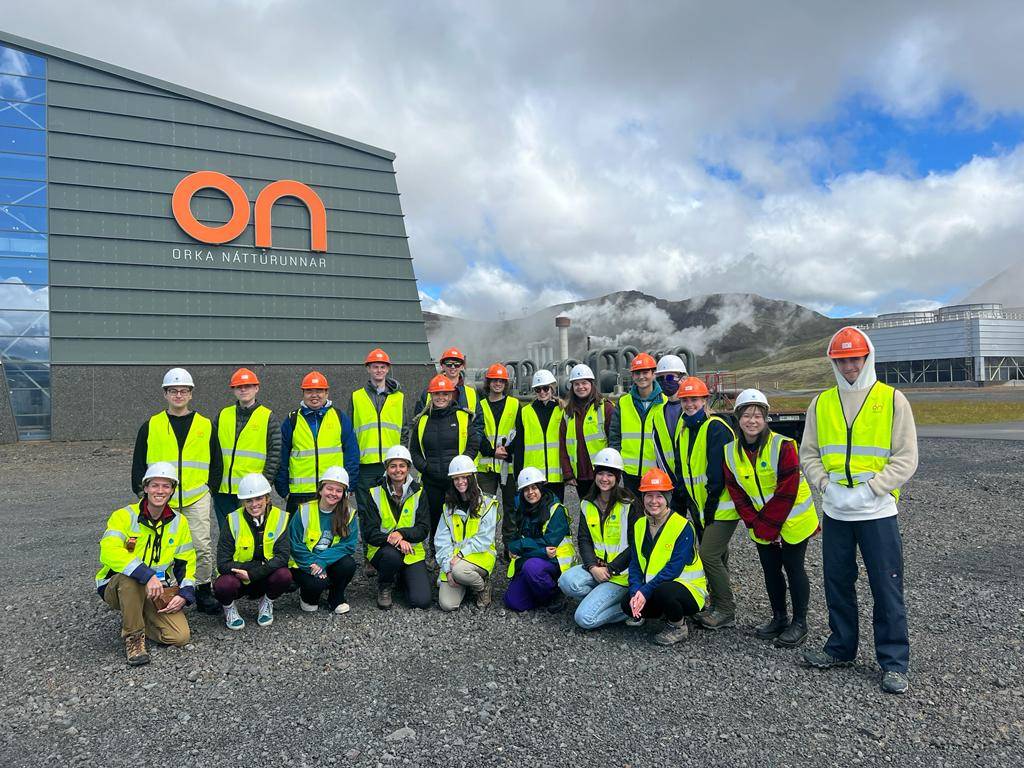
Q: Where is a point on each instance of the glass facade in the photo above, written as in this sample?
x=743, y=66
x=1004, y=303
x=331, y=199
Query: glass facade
x=24, y=268
x=945, y=371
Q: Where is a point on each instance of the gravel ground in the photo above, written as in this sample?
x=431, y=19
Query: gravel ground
x=492, y=688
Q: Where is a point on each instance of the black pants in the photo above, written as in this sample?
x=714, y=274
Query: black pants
x=339, y=574
x=490, y=482
x=632, y=483
x=295, y=499
x=583, y=488
x=390, y=564
x=669, y=600
x=788, y=557
x=435, y=499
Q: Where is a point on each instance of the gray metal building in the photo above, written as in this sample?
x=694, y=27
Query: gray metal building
x=962, y=344
x=102, y=289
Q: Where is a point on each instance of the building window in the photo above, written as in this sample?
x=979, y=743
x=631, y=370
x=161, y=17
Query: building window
x=1004, y=368
x=24, y=253
x=943, y=371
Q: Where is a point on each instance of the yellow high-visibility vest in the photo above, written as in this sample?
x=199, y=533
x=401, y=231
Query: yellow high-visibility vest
x=193, y=462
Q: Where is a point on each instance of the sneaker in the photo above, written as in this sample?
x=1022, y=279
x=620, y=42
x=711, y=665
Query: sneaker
x=232, y=618
x=135, y=649
x=823, y=660
x=716, y=619
x=673, y=633
x=794, y=635
x=384, y=598
x=895, y=682
x=557, y=605
x=773, y=628
x=265, y=614
x=341, y=608
x=631, y=622
x=308, y=607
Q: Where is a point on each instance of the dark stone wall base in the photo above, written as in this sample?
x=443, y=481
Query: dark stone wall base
x=8, y=427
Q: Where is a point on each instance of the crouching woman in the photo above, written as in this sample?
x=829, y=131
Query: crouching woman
x=148, y=567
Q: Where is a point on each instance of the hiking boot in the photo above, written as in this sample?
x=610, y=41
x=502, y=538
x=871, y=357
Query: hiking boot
x=631, y=622
x=384, y=599
x=794, y=635
x=265, y=612
x=483, y=597
x=369, y=570
x=205, y=601
x=308, y=607
x=773, y=628
x=673, y=633
x=431, y=563
x=823, y=659
x=135, y=649
x=716, y=619
x=232, y=618
x=557, y=605
x=895, y=682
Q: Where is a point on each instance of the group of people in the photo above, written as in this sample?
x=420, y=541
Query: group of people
x=473, y=479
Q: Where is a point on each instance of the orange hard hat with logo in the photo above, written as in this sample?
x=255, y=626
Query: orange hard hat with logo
x=440, y=383
x=642, y=362
x=243, y=376
x=377, y=356
x=314, y=380
x=691, y=386
x=849, y=342
x=453, y=353
x=497, y=371
x=655, y=480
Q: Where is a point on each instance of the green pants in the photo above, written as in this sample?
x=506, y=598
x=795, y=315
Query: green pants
x=714, y=553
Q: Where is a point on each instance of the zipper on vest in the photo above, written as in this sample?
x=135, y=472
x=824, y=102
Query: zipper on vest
x=849, y=430
x=757, y=480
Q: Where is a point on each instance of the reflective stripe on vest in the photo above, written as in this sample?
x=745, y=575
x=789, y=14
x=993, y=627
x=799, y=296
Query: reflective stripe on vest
x=610, y=536
x=637, y=436
x=595, y=434
x=247, y=455
x=493, y=431
x=309, y=458
x=669, y=443
x=853, y=455
x=693, y=469
x=540, y=447
x=388, y=523
x=759, y=483
x=467, y=529
x=308, y=515
x=692, y=576
x=461, y=418
x=245, y=545
x=376, y=432
x=144, y=552
x=193, y=462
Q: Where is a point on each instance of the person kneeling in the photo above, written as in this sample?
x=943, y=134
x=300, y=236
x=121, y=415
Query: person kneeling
x=324, y=536
x=464, y=541
x=143, y=547
x=253, y=554
x=666, y=576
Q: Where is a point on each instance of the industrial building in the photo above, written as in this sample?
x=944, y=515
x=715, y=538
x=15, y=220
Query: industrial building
x=144, y=225
x=963, y=344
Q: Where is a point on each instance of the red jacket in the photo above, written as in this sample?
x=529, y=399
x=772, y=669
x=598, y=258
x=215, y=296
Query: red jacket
x=767, y=523
x=585, y=470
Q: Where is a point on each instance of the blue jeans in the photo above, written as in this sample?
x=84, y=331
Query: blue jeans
x=882, y=552
x=599, y=602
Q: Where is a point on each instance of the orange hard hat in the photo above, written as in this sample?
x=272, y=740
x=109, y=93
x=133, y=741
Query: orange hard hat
x=377, y=356
x=655, y=480
x=440, y=383
x=642, y=362
x=849, y=342
x=691, y=386
x=497, y=371
x=453, y=353
x=314, y=380
x=242, y=377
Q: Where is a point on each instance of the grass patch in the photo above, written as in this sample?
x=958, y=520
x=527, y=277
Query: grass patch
x=952, y=411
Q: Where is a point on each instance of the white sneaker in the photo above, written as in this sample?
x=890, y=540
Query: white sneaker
x=342, y=608
x=265, y=616
x=308, y=607
x=232, y=618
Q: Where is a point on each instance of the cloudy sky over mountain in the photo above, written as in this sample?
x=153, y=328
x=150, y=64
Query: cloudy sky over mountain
x=854, y=157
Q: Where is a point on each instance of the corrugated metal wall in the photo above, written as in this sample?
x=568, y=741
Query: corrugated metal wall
x=949, y=339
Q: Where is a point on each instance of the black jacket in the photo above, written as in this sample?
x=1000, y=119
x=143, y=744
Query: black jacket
x=258, y=568
x=181, y=425
x=586, y=544
x=242, y=416
x=440, y=443
x=369, y=516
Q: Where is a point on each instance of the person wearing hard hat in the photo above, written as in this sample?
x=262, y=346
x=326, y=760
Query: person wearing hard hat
x=187, y=440
x=606, y=515
x=668, y=428
x=464, y=541
x=148, y=566
x=396, y=522
x=538, y=426
x=762, y=475
x=666, y=576
x=253, y=554
x=494, y=466
x=542, y=549
x=249, y=435
x=631, y=429
x=584, y=429
x=859, y=449
x=324, y=534
x=315, y=436
x=442, y=432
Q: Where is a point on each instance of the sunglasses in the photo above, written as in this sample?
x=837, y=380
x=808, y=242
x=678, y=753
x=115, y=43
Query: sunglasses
x=451, y=364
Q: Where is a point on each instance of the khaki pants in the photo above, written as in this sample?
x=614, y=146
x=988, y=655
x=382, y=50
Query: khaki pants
x=198, y=516
x=464, y=575
x=126, y=595
x=714, y=552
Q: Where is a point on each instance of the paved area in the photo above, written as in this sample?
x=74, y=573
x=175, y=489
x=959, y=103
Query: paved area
x=1006, y=430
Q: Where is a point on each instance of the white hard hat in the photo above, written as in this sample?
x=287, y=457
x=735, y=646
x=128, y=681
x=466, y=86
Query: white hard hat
x=530, y=476
x=670, y=364
x=609, y=457
x=178, y=377
x=334, y=475
x=162, y=469
x=397, y=452
x=543, y=378
x=580, y=372
x=750, y=397
x=461, y=465
x=253, y=486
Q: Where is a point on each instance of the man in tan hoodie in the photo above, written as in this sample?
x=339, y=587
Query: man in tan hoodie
x=859, y=448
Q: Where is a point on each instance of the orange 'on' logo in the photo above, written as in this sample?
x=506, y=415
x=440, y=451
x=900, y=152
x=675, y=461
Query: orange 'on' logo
x=181, y=205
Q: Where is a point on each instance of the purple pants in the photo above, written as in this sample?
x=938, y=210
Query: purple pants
x=534, y=585
x=228, y=587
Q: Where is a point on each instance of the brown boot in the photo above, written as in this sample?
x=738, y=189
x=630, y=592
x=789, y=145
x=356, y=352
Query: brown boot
x=483, y=597
x=384, y=599
x=135, y=649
